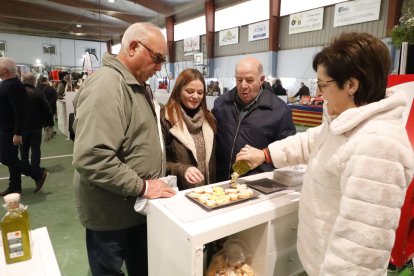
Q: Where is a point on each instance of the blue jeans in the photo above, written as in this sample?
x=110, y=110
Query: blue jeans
x=31, y=143
x=107, y=250
x=9, y=157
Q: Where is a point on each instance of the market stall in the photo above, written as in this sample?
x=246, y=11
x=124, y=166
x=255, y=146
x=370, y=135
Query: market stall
x=307, y=115
x=179, y=230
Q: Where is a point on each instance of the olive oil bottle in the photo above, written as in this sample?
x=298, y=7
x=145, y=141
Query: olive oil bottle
x=239, y=168
x=15, y=231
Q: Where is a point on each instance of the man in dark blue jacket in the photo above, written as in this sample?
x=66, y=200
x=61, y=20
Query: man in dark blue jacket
x=248, y=114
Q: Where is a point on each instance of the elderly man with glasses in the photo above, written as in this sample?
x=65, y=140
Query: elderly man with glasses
x=118, y=152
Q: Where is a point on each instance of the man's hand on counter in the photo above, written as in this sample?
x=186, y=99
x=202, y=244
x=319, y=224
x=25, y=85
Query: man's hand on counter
x=158, y=188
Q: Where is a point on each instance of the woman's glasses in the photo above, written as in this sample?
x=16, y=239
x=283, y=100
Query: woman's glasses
x=323, y=84
x=156, y=57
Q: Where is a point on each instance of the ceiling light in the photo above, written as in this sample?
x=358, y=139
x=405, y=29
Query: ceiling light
x=78, y=25
x=111, y=1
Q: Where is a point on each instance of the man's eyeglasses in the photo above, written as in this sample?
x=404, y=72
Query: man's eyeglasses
x=323, y=84
x=156, y=57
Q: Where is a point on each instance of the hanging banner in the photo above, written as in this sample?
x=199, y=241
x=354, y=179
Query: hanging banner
x=306, y=21
x=356, y=11
x=259, y=31
x=192, y=44
x=229, y=36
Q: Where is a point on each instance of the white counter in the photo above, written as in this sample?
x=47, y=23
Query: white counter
x=63, y=108
x=43, y=262
x=268, y=225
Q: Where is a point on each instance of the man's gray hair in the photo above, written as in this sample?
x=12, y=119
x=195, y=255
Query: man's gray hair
x=139, y=31
x=29, y=78
x=9, y=64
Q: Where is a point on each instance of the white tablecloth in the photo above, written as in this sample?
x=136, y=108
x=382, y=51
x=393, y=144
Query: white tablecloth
x=43, y=262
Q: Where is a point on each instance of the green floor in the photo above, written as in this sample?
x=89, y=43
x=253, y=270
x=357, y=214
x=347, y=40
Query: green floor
x=54, y=207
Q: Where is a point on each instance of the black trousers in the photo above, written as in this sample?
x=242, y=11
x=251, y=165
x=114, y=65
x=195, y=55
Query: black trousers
x=9, y=156
x=107, y=251
x=32, y=141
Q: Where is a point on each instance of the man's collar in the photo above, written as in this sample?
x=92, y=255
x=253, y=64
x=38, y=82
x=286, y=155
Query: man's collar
x=252, y=102
x=249, y=105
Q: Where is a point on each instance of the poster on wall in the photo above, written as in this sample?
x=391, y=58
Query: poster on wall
x=306, y=21
x=259, y=30
x=192, y=44
x=294, y=6
x=357, y=11
x=229, y=36
x=198, y=59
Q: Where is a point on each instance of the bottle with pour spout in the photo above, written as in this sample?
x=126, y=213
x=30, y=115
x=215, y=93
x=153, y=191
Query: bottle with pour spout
x=239, y=168
x=15, y=230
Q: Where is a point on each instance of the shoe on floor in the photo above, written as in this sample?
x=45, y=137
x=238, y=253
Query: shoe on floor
x=10, y=191
x=41, y=181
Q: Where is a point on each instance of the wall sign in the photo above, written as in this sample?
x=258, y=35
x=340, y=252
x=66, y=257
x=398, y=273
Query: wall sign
x=356, y=11
x=259, y=30
x=192, y=44
x=198, y=59
x=306, y=21
x=229, y=36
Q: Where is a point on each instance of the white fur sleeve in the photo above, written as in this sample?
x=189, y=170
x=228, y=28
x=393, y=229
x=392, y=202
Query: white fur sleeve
x=376, y=170
x=294, y=150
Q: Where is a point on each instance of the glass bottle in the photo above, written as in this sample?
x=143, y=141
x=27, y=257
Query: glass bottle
x=239, y=168
x=15, y=231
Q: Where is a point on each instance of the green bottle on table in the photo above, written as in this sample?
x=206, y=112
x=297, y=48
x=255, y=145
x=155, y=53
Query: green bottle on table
x=15, y=228
x=239, y=168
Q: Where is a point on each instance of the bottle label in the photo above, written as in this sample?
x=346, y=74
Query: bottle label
x=15, y=244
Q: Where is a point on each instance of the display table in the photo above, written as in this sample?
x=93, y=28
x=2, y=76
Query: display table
x=307, y=115
x=43, y=262
x=178, y=230
x=63, y=109
x=62, y=117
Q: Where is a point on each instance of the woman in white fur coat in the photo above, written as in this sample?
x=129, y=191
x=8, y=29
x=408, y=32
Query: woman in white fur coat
x=189, y=130
x=360, y=162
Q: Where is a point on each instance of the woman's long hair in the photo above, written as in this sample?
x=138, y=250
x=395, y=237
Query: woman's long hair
x=174, y=104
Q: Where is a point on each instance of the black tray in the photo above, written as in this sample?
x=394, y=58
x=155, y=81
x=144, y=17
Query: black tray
x=225, y=186
x=266, y=185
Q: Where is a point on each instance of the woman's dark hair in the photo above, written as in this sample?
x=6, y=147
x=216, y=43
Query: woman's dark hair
x=360, y=56
x=173, y=106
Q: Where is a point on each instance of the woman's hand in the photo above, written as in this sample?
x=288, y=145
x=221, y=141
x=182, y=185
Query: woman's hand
x=254, y=156
x=193, y=175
